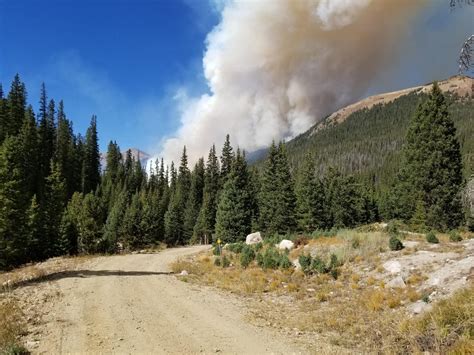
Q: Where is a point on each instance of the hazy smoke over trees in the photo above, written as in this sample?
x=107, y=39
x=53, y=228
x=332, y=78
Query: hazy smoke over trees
x=274, y=68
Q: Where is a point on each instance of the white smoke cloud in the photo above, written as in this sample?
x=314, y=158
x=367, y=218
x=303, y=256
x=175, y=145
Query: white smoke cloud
x=276, y=67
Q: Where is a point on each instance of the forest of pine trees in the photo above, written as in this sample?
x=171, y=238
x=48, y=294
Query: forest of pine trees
x=56, y=200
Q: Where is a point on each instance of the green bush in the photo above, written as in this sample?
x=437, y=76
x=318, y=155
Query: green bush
x=247, y=256
x=258, y=246
x=236, y=247
x=285, y=262
x=305, y=262
x=260, y=260
x=431, y=238
x=455, y=236
x=217, y=262
x=317, y=264
x=395, y=244
x=225, y=261
x=393, y=228
x=271, y=259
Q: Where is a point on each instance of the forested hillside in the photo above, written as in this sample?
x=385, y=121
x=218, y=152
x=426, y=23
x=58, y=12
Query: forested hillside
x=368, y=142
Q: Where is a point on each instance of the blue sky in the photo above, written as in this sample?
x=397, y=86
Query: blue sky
x=119, y=59
x=124, y=60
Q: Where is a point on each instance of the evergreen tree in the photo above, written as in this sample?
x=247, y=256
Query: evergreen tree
x=205, y=224
x=152, y=217
x=4, y=118
x=90, y=224
x=16, y=107
x=277, y=199
x=174, y=218
x=55, y=195
x=28, y=140
x=114, y=162
x=91, y=163
x=310, y=198
x=65, y=150
x=431, y=177
x=234, y=211
x=35, y=229
x=131, y=231
x=194, y=201
x=227, y=159
x=14, y=202
x=47, y=137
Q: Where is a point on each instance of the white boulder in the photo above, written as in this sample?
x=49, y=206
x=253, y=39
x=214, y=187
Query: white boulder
x=393, y=266
x=183, y=273
x=397, y=282
x=286, y=244
x=253, y=238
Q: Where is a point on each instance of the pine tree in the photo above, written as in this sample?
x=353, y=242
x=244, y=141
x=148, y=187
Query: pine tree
x=205, y=224
x=35, y=229
x=28, y=140
x=310, y=198
x=194, y=201
x=14, y=202
x=70, y=225
x=131, y=231
x=90, y=224
x=64, y=150
x=91, y=163
x=227, y=159
x=16, y=107
x=47, y=137
x=234, y=211
x=55, y=196
x=432, y=172
x=114, y=162
x=4, y=118
x=174, y=218
x=277, y=199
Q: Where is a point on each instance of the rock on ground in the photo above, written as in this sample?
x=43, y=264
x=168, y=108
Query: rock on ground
x=286, y=244
x=253, y=238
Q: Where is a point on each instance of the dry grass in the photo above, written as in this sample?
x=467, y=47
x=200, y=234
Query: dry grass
x=35, y=272
x=12, y=326
x=356, y=311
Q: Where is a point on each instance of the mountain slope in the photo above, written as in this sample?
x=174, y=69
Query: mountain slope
x=366, y=138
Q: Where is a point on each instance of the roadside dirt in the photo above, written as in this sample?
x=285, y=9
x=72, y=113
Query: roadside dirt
x=131, y=304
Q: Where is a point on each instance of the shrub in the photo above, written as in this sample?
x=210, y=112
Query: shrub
x=259, y=260
x=271, y=259
x=431, y=238
x=305, y=262
x=455, y=236
x=285, y=262
x=225, y=261
x=236, y=247
x=395, y=244
x=247, y=256
x=217, y=262
x=318, y=265
x=258, y=246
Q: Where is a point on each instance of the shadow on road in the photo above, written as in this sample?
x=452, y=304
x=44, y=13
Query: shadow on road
x=86, y=274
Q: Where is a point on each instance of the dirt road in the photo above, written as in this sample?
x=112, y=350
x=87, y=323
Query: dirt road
x=130, y=304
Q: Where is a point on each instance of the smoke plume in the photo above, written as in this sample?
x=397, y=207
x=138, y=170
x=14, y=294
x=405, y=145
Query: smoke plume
x=276, y=67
